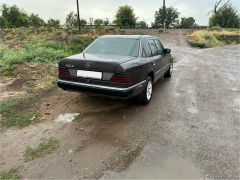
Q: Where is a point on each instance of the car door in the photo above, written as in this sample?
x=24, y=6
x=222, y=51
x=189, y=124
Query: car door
x=156, y=58
x=160, y=48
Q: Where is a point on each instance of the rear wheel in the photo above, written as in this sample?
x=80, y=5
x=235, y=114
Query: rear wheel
x=146, y=96
x=168, y=74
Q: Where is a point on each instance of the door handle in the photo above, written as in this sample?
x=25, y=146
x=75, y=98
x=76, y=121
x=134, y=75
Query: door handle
x=154, y=63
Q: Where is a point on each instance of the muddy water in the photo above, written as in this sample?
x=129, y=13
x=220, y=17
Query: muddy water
x=157, y=162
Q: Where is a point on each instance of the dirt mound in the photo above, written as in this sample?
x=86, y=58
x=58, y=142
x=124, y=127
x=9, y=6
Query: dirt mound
x=57, y=101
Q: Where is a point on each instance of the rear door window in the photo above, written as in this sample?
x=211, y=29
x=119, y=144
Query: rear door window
x=160, y=47
x=146, y=51
x=153, y=47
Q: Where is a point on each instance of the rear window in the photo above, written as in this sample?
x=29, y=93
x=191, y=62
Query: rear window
x=115, y=46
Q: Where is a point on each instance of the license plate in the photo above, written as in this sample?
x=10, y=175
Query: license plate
x=89, y=74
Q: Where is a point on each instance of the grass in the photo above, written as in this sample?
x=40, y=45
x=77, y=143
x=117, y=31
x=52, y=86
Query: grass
x=21, y=120
x=47, y=146
x=24, y=45
x=14, y=112
x=11, y=174
x=40, y=52
x=9, y=106
x=213, y=38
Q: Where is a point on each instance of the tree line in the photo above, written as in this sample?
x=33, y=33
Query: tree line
x=14, y=17
x=225, y=17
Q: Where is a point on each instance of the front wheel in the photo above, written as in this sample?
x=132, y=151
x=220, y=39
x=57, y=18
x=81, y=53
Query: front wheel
x=146, y=96
x=168, y=74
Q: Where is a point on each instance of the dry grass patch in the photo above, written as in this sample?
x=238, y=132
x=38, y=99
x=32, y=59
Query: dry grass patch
x=213, y=38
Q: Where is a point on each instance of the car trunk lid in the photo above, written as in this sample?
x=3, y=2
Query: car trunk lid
x=99, y=63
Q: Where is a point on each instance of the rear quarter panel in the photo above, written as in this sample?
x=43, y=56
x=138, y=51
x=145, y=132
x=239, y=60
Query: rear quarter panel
x=139, y=68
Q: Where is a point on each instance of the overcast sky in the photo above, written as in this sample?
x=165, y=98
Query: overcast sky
x=144, y=9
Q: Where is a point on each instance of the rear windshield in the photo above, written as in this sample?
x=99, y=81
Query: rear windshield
x=115, y=46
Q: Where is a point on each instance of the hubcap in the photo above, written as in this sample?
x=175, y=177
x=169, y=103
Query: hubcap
x=149, y=90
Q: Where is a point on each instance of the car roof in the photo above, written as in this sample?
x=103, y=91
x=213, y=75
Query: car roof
x=128, y=36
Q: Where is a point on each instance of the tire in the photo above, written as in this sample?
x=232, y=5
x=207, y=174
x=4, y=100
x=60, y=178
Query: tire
x=168, y=74
x=146, y=96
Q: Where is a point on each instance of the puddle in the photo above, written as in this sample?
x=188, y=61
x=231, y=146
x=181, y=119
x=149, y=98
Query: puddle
x=156, y=162
x=66, y=118
x=124, y=161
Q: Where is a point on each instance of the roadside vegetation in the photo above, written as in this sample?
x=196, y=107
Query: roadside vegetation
x=11, y=174
x=24, y=45
x=47, y=146
x=214, y=38
x=15, y=112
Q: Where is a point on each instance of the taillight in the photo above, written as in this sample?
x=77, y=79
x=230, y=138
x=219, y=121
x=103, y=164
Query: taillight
x=63, y=72
x=121, y=78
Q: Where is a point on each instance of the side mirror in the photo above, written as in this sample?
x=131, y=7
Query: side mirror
x=167, y=51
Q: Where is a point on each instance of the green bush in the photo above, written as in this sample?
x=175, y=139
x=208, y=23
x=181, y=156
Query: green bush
x=78, y=43
x=46, y=52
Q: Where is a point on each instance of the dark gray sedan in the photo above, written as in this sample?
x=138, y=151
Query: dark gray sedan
x=120, y=66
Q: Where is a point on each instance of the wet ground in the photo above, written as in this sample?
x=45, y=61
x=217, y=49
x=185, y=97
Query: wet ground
x=189, y=130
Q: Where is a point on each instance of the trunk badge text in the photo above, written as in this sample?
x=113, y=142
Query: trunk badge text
x=69, y=66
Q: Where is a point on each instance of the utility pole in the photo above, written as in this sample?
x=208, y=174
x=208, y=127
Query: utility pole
x=79, y=25
x=164, y=16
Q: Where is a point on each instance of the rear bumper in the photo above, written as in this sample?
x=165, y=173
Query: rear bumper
x=122, y=93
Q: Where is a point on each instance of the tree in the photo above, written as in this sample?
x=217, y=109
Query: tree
x=3, y=22
x=72, y=21
x=36, y=21
x=83, y=23
x=125, y=17
x=53, y=23
x=141, y=25
x=187, y=22
x=171, y=17
x=217, y=4
x=98, y=23
x=106, y=22
x=13, y=17
x=225, y=17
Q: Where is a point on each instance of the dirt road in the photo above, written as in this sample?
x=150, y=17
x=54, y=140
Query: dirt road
x=189, y=130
